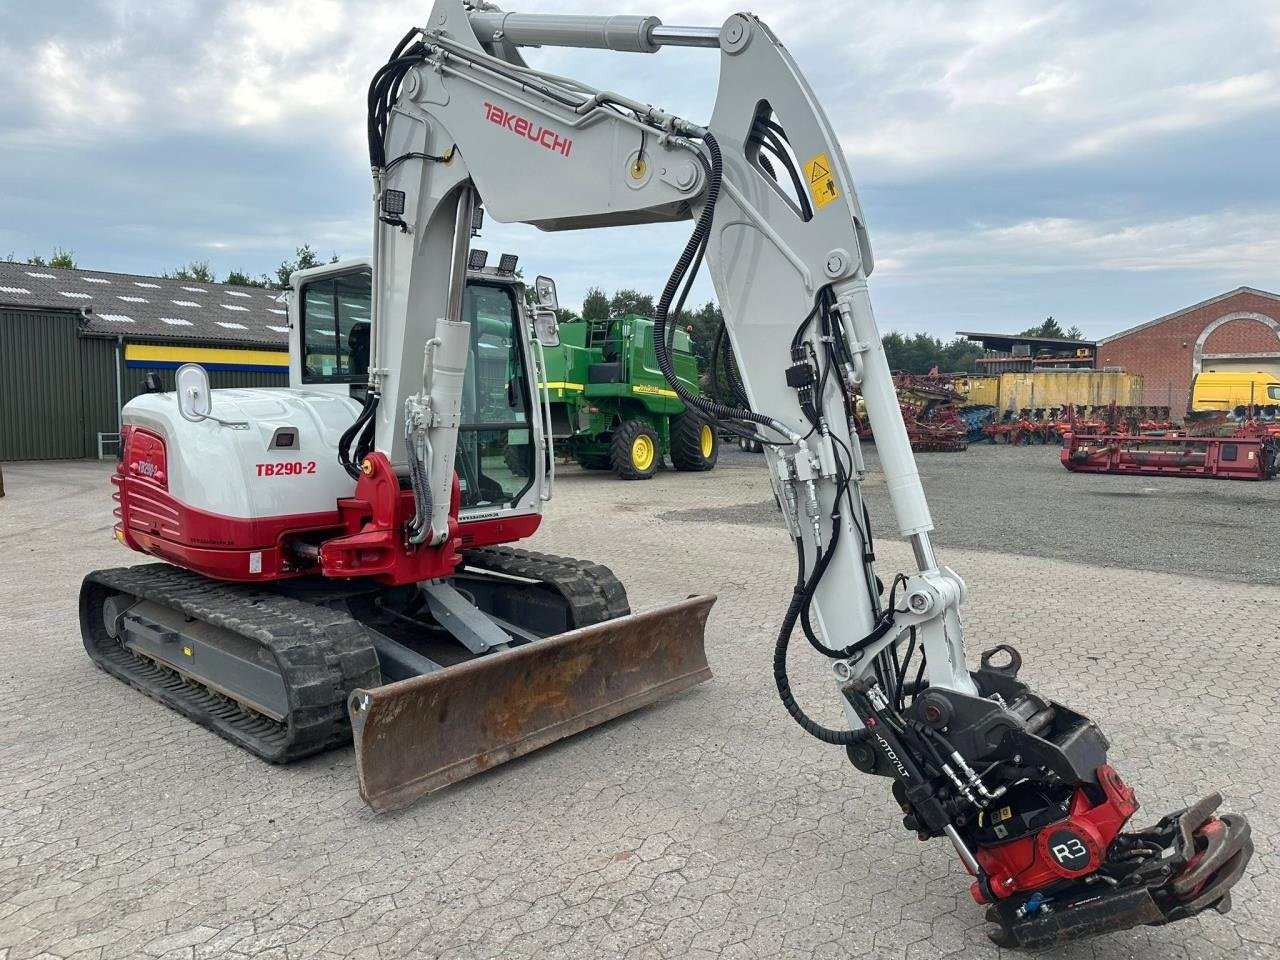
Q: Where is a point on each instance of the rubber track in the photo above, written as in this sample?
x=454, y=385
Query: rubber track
x=593, y=593
x=322, y=653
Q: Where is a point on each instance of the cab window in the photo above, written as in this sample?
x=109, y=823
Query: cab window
x=335, y=329
x=1273, y=392
x=495, y=452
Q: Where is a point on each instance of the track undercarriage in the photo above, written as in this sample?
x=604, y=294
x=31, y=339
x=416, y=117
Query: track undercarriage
x=283, y=669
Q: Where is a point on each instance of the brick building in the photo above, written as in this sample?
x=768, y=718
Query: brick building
x=1237, y=330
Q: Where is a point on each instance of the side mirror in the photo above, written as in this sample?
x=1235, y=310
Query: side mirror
x=545, y=288
x=192, y=386
x=195, y=402
x=546, y=327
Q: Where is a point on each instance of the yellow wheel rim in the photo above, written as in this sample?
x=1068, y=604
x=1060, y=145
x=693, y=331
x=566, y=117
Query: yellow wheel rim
x=707, y=440
x=642, y=453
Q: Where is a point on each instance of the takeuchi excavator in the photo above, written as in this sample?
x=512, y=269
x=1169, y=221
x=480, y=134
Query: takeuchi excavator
x=336, y=556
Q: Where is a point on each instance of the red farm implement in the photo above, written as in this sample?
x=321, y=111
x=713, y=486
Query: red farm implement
x=931, y=411
x=1173, y=454
x=1049, y=424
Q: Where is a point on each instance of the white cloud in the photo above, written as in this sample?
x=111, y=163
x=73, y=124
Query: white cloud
x=1229, y=244
x=76, y=90
x=921, y=93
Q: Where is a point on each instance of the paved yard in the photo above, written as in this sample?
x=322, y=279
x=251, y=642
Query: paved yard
x=706, y=827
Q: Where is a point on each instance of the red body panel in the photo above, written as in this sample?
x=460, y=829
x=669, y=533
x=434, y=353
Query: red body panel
x=1027, y=864
x=361, y=537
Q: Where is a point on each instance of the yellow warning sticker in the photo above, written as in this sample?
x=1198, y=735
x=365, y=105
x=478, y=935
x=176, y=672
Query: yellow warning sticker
x=186, y=651
x=822, y=182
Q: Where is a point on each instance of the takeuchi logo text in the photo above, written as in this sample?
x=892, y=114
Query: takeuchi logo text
x=524, y=127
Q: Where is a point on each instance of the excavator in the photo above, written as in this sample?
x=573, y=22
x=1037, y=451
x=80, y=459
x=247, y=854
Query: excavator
x=336, y=559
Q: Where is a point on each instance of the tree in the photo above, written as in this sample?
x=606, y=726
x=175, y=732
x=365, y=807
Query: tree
x=242, y=279
x=305, y=260
x=197, y=270
x=1050, y=328
x=566, y=316
x=631, y=301
x=62, y=259
x=1074, y=333
x=702, y=324
x=921, y=352
x=595, y=305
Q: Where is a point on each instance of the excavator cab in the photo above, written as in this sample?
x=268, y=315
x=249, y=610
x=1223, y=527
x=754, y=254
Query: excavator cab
x=330, y=343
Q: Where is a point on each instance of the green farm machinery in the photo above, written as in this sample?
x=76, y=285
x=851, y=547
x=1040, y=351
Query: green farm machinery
x=611, y=408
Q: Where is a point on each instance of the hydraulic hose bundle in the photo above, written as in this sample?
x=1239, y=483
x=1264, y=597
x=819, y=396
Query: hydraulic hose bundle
x=360, y=433
x=666, y=314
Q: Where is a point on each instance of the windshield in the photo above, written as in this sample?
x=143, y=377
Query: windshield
x=495, y=453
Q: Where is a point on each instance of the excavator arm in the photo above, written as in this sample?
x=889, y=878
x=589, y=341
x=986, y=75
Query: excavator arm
x=1018, y=784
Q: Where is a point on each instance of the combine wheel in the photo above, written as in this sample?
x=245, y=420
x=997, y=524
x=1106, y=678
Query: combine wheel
x=694, y=444
x=635, y=453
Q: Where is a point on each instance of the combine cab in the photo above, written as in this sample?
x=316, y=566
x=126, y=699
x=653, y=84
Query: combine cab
x=611, y=407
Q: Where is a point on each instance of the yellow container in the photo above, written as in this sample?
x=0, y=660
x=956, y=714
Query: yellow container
x=979, y=391
x=1058, y=388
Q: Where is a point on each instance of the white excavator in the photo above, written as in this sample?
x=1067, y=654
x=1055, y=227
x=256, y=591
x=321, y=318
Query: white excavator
x=335, y=558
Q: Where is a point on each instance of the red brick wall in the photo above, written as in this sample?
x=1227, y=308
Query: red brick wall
x=1163, y=353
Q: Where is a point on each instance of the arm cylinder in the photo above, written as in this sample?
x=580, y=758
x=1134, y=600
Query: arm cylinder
x=623, y=33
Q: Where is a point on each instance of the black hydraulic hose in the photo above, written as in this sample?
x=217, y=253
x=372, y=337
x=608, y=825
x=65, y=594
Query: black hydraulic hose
x=840, y=738
x=352, y=432
x=382, y=91
x=701, y=231
x=797, y=184
x=404, y=42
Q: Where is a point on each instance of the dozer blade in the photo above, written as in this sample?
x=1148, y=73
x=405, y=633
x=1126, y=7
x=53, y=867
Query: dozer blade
x=424, y=733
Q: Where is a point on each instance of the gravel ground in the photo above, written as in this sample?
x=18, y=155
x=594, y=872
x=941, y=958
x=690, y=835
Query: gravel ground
x=707, y=827
x=1020, y=500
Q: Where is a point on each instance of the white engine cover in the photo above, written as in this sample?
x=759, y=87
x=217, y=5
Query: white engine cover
x=260, y=471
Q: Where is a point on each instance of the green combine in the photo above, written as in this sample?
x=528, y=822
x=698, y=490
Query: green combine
x=611, y=408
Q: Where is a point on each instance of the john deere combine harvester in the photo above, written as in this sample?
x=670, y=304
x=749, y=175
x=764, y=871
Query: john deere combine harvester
x=611, y=408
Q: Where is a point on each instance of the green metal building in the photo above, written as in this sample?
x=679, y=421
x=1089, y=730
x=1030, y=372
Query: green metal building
x=75, y=345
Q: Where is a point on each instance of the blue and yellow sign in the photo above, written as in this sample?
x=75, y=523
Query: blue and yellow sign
x=211, y=358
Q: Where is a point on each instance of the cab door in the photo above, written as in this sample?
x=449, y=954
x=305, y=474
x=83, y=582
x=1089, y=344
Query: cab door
x=330, y=331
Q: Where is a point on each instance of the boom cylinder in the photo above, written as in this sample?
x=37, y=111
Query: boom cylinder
x=627, y=34
x=880, y=396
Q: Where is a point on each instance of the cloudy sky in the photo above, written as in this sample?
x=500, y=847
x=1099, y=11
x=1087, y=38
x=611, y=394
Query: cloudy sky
x=1103, y=162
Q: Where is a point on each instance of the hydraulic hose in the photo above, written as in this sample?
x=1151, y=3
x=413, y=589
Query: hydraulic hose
x=353, y=432
x=692, y=251
x=839, y=738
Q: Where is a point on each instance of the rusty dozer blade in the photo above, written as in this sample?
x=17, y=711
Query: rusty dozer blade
x=424, y=733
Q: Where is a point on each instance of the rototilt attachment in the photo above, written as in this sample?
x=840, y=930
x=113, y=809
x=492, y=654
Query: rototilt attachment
x=418, y=735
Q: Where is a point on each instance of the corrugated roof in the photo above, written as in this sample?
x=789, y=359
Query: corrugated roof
x=150, y=308
x=1011, y=338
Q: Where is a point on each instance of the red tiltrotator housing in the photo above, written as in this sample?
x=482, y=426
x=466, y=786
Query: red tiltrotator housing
x=1065, y=850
